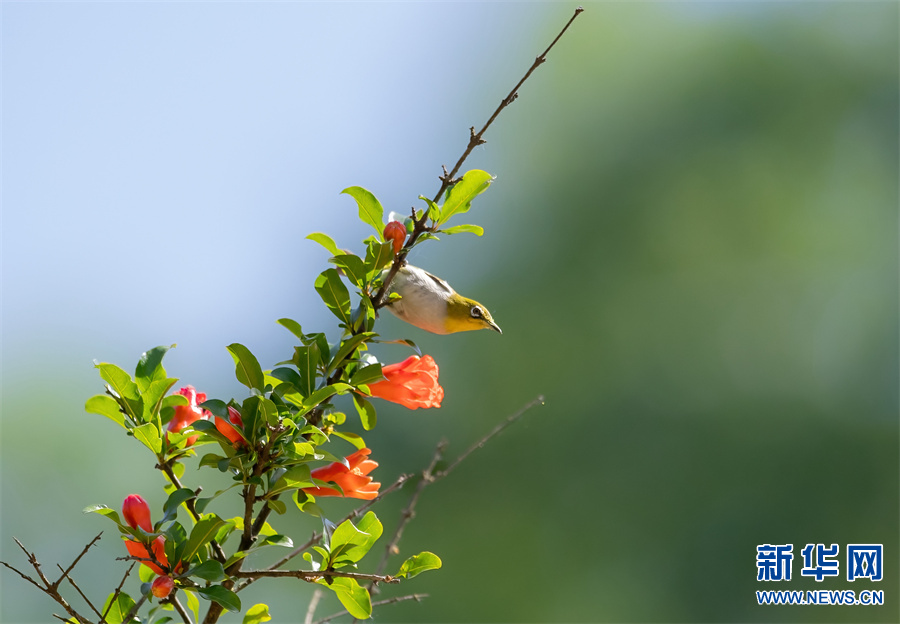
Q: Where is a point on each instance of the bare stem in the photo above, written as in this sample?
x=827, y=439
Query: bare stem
x=409, y=512
x=448, y=180
x=429, y=476
x=380, y=603
x=116, y=593
x=313, y=576
x=313, y=603
x=185, y=616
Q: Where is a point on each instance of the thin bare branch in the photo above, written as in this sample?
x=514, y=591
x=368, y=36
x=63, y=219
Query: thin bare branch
x=313, y=603
x=78, y=589
x=133, y=611
x=173, y=600
x=539, y=400
x=77, y=559
x=116, y=594
x=313, y=576
x=447, y=179
x=51, y=589
x=409, y=512
x=380, y=603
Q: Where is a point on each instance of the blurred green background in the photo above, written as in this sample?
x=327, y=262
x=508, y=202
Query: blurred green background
x=691, y=247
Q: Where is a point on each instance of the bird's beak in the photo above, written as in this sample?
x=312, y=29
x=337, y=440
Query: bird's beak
x=495, y=327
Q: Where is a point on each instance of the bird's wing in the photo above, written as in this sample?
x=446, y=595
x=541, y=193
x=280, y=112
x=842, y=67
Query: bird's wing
x=441, y=284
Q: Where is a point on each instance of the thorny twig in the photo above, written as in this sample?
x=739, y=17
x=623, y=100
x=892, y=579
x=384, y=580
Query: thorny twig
x=117, y=592
x=380, y=603
x=52, y=589
x=429, y=476
x=312, y=576
x=447, y=179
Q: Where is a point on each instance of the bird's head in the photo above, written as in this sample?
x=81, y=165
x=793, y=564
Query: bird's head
x=464, y=314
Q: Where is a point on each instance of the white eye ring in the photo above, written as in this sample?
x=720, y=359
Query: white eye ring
x=476, y=312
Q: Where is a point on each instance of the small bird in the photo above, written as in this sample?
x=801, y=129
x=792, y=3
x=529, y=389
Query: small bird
x=430, y=303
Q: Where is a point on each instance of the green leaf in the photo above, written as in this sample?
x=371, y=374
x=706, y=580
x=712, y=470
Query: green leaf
x=176, y=540
x=355, y=599
x=417, y=564
x=434, y=211
x=321, y=395
x=460, y=196
x=349, y=543
x=353, y=438
x=347, y=347
x=247, y=369
x=117, y=609
x=170, y=509
x=477, y=230
x=201, y=534
x=370, y=210
x=145, y=574
x=257, y=614
x=149, y=367
x=103, y=510
x=353, y=267
x=278, y=540
x=326, y=241
x=361, y=541
x=217, y=407
x=277, y=506
x=120, y=382
x=367, y=413
x=105, y=406
x=367, y=374
x=193, y=604
x=210, y=570
x=153, y=396
x=148, y=434
x=269, y=411
x=307, y=361
x=292, y=326
x=378, y=256
x=224, y=597
x=335, y=294
x=294, y=478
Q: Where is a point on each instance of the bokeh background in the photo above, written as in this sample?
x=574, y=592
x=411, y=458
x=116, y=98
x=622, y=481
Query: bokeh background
x=691, y=246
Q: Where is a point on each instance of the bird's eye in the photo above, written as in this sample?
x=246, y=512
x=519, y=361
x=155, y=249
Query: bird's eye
x=476, y=312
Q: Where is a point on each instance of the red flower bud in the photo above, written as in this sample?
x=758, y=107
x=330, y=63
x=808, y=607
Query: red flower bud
x=162, y=586
x=137, y=513
x=186, y=414
x=232, y=431
x=395, y=232
x=412, y=383
x=354, y=481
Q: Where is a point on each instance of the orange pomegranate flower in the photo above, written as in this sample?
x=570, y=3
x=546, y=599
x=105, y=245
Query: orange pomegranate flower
x=186, y=414
x=136, y=549
x=354, y=481
x=413, y=383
